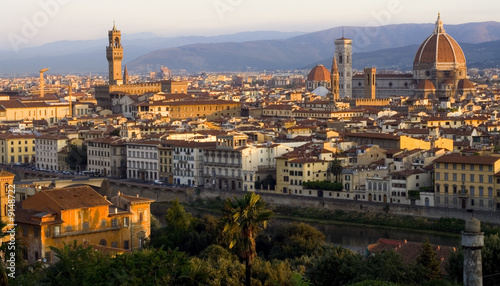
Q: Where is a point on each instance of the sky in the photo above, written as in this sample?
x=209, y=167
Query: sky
x=29, y=23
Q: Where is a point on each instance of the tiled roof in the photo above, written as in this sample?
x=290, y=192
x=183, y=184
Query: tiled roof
x=76, y=197
x=456, y=158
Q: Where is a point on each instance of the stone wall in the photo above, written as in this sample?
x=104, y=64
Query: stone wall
x=162, y=194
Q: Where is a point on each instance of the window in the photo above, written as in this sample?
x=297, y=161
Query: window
x=25, y=230
x=114, y=244
x=57, y=230
x=472, y=177
x=125, y=244
x=125, y=221
x=47, y=231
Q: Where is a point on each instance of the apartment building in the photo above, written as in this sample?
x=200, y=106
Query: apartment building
x=47, y=148
x=466, y=182
x=188, y=159
x=17, y=148
x=142, y=160
x=106, y=156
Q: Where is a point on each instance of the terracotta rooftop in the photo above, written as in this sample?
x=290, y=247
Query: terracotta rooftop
x=76, y=197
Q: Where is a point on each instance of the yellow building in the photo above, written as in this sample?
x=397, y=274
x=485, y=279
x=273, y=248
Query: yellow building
x=292, y=172
x=17, y=148
x=466, y=182
x=165, y=150
x=409, y=143
x=56, y=216
x=211, y=109
x=18, y=110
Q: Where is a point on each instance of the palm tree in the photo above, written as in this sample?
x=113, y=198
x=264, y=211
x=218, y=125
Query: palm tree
x=243, y=219
x=336, y=169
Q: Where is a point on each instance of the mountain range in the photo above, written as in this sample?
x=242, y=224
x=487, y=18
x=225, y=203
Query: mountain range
x=385, y=47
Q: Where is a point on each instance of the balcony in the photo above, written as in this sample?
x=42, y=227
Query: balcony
x=463, y=194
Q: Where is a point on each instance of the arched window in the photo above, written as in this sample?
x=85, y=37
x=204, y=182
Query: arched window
x=369, y=185
x=103, y=242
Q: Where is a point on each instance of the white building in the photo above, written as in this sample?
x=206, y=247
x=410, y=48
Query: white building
x=142, y=160
x=188, y=159
x=101, y=156
x=47, y=148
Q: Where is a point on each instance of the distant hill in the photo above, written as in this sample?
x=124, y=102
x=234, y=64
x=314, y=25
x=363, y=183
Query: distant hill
x=317, y=47
x=262, y=50
x=90, y=55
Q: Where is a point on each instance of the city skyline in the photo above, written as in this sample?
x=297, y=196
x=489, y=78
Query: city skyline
x=48, y=21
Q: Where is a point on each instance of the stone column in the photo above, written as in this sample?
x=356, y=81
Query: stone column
x=472, y=242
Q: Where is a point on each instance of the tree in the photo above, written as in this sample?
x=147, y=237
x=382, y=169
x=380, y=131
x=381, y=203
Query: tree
x=179, y=224
x=491, y=260
x=429, y=263
x=336, y=169
x=76, y=263
x=387, y=266
x=295, y=240
x=337, y=266
x=243, y=219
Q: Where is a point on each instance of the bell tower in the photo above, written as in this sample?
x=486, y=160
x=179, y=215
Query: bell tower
x=114, y=54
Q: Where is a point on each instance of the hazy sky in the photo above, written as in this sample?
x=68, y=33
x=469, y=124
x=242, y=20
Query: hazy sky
x=33, y=22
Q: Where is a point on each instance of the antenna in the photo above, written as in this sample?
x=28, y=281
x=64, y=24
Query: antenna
x=342, y=32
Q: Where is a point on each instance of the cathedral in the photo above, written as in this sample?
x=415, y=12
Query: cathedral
x=439, y=72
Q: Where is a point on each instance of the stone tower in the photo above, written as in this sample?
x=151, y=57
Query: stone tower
x=114, y=54
x=335, y=79
x=343, y=55
x=370, y=82
x=472, y=242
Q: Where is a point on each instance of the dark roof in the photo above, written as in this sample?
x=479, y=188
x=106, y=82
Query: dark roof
x=456, y=158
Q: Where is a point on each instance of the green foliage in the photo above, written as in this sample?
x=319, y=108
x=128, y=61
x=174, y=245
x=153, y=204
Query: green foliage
x=258, y=185
x=77, y=158
x=146, y=267
x=336, y=169
x=414, y=194
x=491, y=260
x=224, y=268
x=179, y=224
x=455, y=265
x=323, y=185
x=429, y=263
x=373, y=283
x=295, y=240
x=269, y=181
x=76, y=263
x=243, y=219
x=386, y=266
x=337, y=266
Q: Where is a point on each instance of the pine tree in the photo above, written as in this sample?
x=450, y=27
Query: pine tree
x=429, y=263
